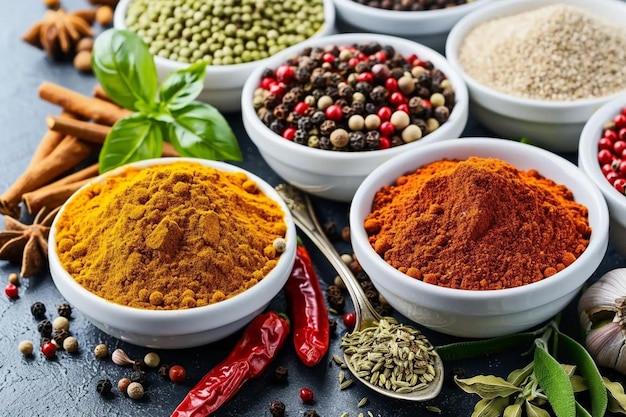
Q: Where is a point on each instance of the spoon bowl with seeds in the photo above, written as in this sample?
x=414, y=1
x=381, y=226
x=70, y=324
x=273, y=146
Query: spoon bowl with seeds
x=393, y=359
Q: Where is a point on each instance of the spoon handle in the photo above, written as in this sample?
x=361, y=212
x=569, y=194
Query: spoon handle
x=304, y=216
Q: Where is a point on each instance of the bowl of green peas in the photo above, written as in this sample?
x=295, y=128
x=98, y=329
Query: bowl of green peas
x=233, y=37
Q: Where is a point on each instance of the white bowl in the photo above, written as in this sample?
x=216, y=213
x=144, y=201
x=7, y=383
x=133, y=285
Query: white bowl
x=428, y=27
x=554, y=125
x=331, y=174
x=174, y=329
x=481, y=313
x=223, y=83
x=588, y=162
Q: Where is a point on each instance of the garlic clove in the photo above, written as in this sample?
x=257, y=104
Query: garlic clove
x=119, y=357
x=605, y=344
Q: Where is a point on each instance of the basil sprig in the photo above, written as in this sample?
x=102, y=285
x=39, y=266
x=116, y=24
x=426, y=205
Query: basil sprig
x=126, y=70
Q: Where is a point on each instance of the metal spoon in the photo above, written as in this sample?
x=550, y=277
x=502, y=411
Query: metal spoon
x=305, y=218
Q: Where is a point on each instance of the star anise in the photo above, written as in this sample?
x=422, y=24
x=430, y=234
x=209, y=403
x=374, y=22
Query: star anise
x=25, y=243
x=59, y=32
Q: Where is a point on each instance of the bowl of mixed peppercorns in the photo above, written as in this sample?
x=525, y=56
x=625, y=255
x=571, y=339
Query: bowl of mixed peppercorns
x=602, y=156
x=232, y=37
x=424, y=21
x=533, y=68
x=327, y=112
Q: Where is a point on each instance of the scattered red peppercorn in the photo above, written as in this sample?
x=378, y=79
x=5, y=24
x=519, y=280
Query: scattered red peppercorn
x=177, y=374
x=11, y=290
x=349, y=320
x=306, y=395
x=49, y=350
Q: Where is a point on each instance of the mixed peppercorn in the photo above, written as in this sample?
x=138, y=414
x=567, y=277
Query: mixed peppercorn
x=411, y=5
x=612, y=151
x=360, y=97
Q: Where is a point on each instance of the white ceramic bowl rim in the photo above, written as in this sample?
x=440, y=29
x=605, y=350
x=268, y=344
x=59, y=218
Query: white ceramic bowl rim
x=411, y=16
x=544, y=286
x=221, y=312
x=438, y=60
x=588, y=149
x=512, y=7
x=119, y=21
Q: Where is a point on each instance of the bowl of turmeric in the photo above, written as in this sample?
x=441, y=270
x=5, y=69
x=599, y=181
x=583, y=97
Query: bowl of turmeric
x=172, y=253
x=479, y=237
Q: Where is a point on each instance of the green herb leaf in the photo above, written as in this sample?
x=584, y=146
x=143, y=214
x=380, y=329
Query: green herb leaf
x=490, y=407
x=487, y=386
x=480, y=348
x=513, y=410
x=131, y=139
x=578, y=383
x=124, y=67
x=617, y=398
x=199, y=130
x=586, y=366
x=580, y=411
x=181, y=87
x=554, y=381
x=518, y=376
x=533, y=411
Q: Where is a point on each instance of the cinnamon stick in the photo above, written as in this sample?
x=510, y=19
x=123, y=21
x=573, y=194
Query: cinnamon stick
x=67, y=155
x=90, y=132
x=98, y=92
x=48, y=142
x=51, y=196
x=111, y=3
x=101, y=111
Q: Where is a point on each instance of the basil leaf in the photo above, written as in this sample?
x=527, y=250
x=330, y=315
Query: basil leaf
x=125, y=68
x=202, y=132
x=181, y=87
x=554, y=381
x=588, y=369
x=487, y=386
x=131, y=139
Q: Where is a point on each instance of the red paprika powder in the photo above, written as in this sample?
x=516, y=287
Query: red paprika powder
x=477, y=224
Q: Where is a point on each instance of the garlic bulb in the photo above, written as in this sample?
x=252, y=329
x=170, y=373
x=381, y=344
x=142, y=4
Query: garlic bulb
x=602, y=312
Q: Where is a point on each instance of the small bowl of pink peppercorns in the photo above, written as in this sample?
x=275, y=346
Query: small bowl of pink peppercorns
x=602, y=156
x=327, y=112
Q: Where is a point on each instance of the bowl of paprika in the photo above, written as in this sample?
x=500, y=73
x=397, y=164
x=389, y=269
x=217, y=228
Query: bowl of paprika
x=172, y=253
x=326, y=112
x=479, y=237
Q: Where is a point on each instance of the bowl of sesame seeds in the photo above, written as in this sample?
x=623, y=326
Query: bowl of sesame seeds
x=327, y=112
x=534, y=70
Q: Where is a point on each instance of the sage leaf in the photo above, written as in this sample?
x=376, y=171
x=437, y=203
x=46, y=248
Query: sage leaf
x=569, y=369
x=578, y=383
x=134, y=138
x=580, y=411
x=125, y=68
x=480, y=348
x=554, y=382
x=181, y=87
x=202, y=132
x=533, y=411
x=586, y=366
x=616, y=396
x=487, y=386
x=518, y=376
x=493, y=407
x=513, y=410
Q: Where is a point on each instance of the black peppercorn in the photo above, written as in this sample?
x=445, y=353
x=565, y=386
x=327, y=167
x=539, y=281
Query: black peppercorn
x=332, y=325
x=442, y=114
x=301, y=137
x=267, y=73
x=372, y=139
x=327, y=127
x=138, y=376
x=38, y=310
x=139, y=365
x=335, y=298
x=281, y=374
x=356, y=141
x=164, y=371
x=330, y=229
x=104, y=386
x=45, y=328
x=305, y=123
x=378, y=94
x=311, y=413
x=59, y=336
x=277, y=126
x=318, y=118
x=324, y=143
x=64, y=310
x=277, y=409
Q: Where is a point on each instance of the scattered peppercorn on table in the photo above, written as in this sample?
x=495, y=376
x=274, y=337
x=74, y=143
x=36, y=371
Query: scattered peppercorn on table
x=33, y=385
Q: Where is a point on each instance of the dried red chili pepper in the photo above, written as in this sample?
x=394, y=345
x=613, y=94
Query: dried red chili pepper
x=308, y=311
x=258, y=346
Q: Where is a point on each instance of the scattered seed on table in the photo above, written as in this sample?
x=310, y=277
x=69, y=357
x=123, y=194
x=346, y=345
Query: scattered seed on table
x=135, y=390
x=177, y=374
x=281, y=374
x=64, y=310
x=26, y=347
x=123, y=384
x=14, y=279
x=277, y=408
x=61, y=323
x=120, y=358
x=362, y=402
x=101, y=351
x=70, y=344
x=433, y=409
x=306, y=395
x=49, y=350
x=38, y=310
x=152, y=360
x=164, y=371
x=11, y=291
x=44, y=328
x=345, y=384
x=104, y=386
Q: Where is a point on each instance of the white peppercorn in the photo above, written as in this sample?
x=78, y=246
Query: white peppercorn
x=411, y=133
x=135, y=390
x=152, y=360
x=61, y=323
x=400, y=119
x=101, y=351
x=372, y=122
x=70, y=344
x=339, y=138
x=356, y=122
x=437, y=100
x=26, y=347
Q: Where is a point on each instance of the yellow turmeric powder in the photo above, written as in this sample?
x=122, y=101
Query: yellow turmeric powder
x=172, y=236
